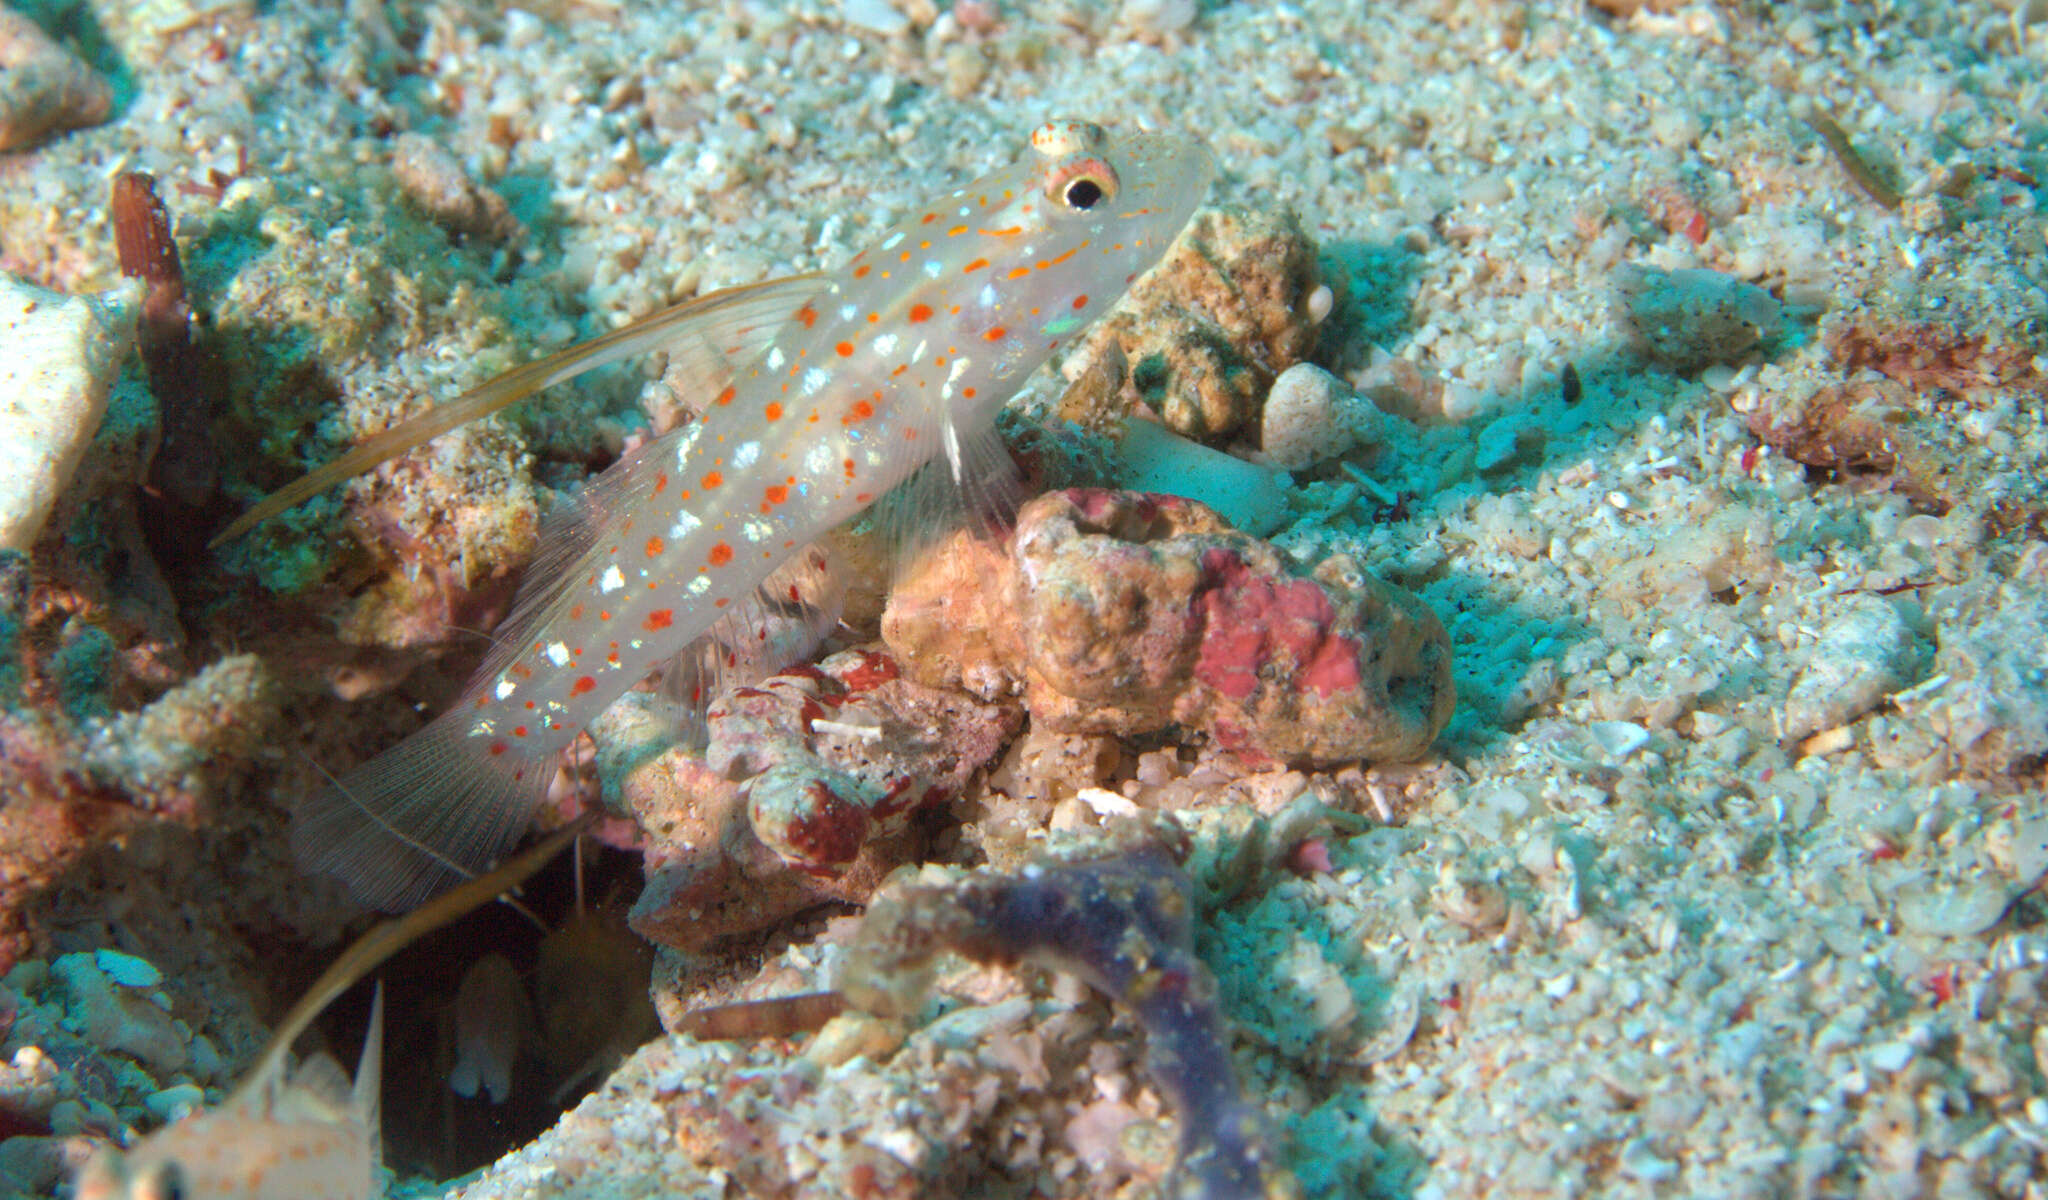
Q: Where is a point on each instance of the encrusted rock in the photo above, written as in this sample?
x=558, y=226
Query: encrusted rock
x=436, y=181
x=1210, y=328
x=1864, y=654
x=805, y=793
x=1993, y=705
x=161, y=754
x=120, y=1018
x=1125, y=613
x=1693, y=318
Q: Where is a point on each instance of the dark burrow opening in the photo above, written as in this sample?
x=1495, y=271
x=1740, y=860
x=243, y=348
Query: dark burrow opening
x=547, y=1010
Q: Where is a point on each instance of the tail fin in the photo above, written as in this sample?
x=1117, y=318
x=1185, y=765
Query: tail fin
x=425, y=815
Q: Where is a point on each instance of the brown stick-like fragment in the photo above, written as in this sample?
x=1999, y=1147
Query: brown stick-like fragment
x=186, y=467
x=779, y=1016
x=1855, y=164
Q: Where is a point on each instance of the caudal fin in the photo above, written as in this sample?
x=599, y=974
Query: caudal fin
x=432, y=811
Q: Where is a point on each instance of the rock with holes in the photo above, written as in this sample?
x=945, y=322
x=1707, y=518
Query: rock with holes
x=1127, y=613
x=1207, y=331
x=805, y=793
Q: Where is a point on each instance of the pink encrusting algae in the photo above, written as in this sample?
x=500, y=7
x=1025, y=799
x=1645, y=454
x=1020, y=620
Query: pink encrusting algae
x=835, y=389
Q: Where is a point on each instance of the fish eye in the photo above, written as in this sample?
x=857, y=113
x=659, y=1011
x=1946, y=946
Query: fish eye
x=1081, y=182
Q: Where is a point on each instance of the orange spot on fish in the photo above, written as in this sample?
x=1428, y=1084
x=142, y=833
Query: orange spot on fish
x=721, y=602
x=1081, y=301
x=575, y=612
x=531, y=706
x=654, y=547
x=874, y=318
x=584, y=683
x=920, y=312
x=519, y=731
x=720, y=555
x=773, y=412
x=1019, y=272
x=807, y=315
x=499, y=748
x=725, y=397
x=845, y=349
x=956, y=231
x=996, y=334
x=778, y=494
x=861, y=271
x=967, y=392
x=976, y=265
x=860, y=411
x=660, y=618
x=713, y=479
x=928, y=218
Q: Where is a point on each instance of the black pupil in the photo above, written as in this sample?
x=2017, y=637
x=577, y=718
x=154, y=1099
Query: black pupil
x=1083, y=193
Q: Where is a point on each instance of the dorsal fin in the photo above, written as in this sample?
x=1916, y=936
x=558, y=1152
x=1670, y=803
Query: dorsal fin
x=708, y=335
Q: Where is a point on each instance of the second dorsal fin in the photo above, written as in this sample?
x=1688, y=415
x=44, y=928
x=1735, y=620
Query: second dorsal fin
x=710, y=335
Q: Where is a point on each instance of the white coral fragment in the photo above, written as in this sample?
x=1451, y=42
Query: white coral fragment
x=63, y=354
x=1863, y=655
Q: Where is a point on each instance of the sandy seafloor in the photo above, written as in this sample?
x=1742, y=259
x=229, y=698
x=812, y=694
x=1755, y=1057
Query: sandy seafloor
x=1725, y=878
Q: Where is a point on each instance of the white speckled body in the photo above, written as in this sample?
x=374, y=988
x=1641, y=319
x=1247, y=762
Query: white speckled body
x=913, y=345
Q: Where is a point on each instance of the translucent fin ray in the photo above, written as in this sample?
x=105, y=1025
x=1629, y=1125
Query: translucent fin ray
x=783, y=622
x=973, y=481
x=421, y=817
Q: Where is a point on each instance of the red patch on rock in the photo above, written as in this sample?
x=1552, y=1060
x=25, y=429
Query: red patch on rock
x=1249, y=618
x=873, y=671
x=831, y=830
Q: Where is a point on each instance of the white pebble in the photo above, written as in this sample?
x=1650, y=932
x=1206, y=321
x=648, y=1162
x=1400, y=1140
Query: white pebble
x=126, y=969
x=875, y=16
x=1158, y=16
x=1310, y=415
x=1863, y=654
x=174, y=1101
x=1320, y=302
x=1619, y=738
x=63, y=355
